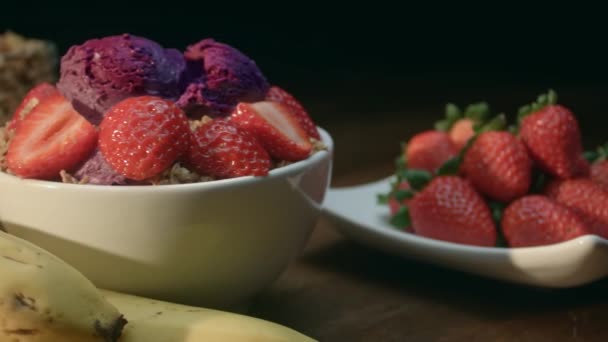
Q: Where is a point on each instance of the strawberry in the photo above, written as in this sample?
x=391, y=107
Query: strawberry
x=275, y=127
x=537, y=220
x=142, y=136
x=552, y=136
x=30, y=101
x=450, y=209
x=429, y=150
x=498, y=165
x=599, y=174
x=599, y=168
x=221, y=149
x=277, y=94
x=52, y=137
x=586, y=198
x=461, y=126
x=461, y=132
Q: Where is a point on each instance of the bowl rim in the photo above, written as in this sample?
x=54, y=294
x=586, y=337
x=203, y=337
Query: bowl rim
x=280, y=172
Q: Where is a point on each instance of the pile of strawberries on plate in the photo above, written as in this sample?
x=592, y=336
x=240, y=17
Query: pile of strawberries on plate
x=478, y=182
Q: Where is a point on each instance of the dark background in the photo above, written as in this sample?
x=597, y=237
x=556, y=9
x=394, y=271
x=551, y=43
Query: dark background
x=375, y=61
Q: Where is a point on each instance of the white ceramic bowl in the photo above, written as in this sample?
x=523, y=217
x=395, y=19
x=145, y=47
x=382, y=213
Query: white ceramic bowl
x=214, y=243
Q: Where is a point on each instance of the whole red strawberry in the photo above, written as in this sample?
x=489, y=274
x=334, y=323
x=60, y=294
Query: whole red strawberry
x=498, y=165
x=450, y=209
x=221, y=149
x=599, y=174
x=586, y=198
x=142, y=136
x=429, y=150
x=52, y=137
x=537, y=220
x=277, y=94
x=553, y=138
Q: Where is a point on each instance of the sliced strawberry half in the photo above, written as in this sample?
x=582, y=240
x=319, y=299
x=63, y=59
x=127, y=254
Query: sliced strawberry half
x=30, y=101
x=51, y=138
x=280, y=95
x=276, y=128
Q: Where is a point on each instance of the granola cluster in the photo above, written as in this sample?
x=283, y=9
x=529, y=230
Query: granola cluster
x=24, y=63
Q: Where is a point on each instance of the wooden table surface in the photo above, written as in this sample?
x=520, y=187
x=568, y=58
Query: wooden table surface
x=339, y=290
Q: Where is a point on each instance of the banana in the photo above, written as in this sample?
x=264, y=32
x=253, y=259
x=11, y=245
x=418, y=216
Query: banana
x=158, y=321
x=43, y=299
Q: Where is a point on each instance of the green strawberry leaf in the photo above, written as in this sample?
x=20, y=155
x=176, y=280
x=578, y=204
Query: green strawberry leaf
x=400, y=162
x=591, y=156
x=450, y=167
x=417, y=179
x=539, y=181
x=542, y=101
x=478, y=112
x=498, y=123
x=443, y=125
x=382, y=198
x=401, y=219
x=603, y=152
x=401, y=195
x=452, y=114
x=513, y=129
x=497, y=209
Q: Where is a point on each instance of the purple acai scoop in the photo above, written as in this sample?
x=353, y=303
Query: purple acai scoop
x=221, y=77
x=101, y=72
x=98, y=171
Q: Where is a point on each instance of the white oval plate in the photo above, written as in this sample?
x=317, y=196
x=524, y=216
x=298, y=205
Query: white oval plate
x=357, y=215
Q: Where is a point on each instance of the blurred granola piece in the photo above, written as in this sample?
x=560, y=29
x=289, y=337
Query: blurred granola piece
x=24, y=63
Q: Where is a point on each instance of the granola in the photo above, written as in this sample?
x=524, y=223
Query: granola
x=23, y=64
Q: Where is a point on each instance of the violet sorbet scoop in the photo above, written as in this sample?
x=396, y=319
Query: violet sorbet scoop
x=101, y=72
x=98, y=171
x=221, y=77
